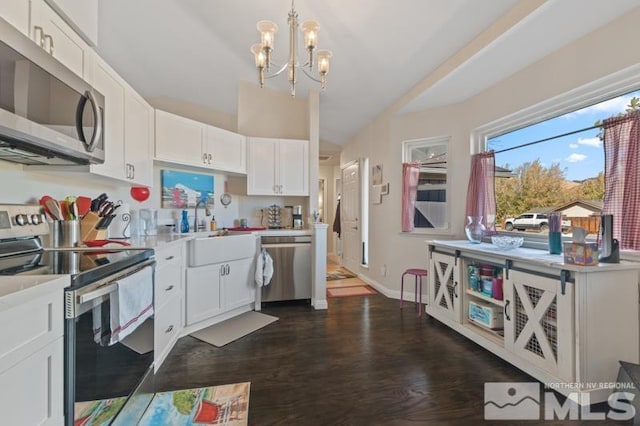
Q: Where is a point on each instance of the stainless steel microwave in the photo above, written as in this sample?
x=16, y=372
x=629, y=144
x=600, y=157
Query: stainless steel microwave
x=48, y=114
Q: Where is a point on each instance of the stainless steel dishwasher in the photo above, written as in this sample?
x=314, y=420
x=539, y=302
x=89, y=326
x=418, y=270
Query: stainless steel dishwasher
x=291, y=268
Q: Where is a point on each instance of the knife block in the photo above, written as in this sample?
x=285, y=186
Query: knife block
x=88, y=231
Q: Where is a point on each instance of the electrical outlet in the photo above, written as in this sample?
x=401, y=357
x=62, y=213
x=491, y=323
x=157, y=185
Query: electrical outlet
x=383, y=270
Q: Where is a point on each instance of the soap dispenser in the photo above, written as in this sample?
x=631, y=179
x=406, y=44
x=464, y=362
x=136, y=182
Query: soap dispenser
x=184, y=228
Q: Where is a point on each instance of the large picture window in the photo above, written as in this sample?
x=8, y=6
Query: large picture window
x=431, y=207
x=556, y=165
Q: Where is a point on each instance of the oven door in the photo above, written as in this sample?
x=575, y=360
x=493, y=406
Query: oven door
x=103, y=375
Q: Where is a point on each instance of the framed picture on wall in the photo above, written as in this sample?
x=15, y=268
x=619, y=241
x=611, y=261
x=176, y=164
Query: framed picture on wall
x=184, y=189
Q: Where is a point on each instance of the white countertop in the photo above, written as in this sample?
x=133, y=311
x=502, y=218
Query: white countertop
x=19, y=289
x=533, y=256
x=165, y=239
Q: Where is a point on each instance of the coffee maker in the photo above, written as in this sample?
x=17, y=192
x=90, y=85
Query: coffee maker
x=297, y=217
x=610, y=250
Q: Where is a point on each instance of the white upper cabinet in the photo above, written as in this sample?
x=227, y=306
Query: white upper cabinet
x=184, y=141
x=128, y=129
x=228, y=150
x=55, y=36
x=106, y=83
x=138, y=137
x=278, y=167
x=179, y=139
x=82, y=16
x=16, y=12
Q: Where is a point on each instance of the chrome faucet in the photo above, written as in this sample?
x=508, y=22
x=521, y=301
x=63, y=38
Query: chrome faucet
x=207, y=212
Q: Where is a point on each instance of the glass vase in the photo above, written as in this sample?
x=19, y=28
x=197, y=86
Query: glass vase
x=474, y=229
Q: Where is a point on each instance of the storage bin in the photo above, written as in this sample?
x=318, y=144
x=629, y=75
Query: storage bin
x=490, y=316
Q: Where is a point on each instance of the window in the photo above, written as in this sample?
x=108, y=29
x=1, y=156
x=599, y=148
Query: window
x=431, y=209
x=555, y=165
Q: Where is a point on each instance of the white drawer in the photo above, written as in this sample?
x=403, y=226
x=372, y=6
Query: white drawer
x=30, y=326
x=168, y=282
x=168, y=253
x=167, y=325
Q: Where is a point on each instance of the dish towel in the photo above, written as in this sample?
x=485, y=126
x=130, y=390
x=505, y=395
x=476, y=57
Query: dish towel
x=132, y=305
x=264, y=269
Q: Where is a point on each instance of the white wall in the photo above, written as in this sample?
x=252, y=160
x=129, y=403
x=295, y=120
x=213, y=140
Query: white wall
x=592, y=57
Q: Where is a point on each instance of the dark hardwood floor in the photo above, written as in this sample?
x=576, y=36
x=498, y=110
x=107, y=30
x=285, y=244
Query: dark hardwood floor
x=362, y=362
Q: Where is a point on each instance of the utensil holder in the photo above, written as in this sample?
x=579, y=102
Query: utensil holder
x=65, y=233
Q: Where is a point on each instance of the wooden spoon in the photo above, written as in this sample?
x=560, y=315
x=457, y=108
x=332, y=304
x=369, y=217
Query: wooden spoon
x=54, y=209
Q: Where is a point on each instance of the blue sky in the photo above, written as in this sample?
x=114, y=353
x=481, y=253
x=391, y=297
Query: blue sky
x=580, y=155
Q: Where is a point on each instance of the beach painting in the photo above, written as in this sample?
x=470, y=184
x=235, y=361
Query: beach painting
x=216, y=405
x=184, y=189
x=97, y=413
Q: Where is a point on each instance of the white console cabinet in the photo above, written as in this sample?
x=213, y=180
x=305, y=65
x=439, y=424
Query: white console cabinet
x=562, y=323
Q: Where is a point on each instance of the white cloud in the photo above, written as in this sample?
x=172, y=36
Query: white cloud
x=608, y=108
x=575, y=158
x=573, y=145
x=594, y=142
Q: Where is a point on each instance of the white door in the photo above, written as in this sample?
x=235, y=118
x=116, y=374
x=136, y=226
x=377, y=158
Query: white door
x=203, y=293
x=239, y=288
x=227, y=149
x=444, y=285
x=350, y=216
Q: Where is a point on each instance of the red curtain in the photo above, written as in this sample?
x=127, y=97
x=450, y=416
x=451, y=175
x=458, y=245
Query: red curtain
x=481, y=193
x=622, y=177
x=410, y=175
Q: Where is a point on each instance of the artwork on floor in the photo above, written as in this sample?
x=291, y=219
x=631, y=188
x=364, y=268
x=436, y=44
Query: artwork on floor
x=184, y=189
x=97, y=413
x=219, y=405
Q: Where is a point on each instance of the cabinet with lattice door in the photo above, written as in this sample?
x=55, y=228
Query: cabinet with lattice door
x=444, y=285
x=538, y=321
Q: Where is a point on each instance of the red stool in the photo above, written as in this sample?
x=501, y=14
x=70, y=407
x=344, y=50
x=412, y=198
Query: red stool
x=418, y=273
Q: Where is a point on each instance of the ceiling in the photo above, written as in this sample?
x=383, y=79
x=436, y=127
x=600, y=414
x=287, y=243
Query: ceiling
x=406, y=53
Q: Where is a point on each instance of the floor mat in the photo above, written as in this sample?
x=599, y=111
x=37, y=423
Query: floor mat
x=232, y=329
x=219, y=405
x=364, y=290
x=340, y=274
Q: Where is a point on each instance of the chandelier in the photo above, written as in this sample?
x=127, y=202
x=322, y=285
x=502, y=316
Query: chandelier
x=263, y=51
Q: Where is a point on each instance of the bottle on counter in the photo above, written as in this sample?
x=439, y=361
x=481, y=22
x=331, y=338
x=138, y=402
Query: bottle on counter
x=184, y=226
x=212, y=225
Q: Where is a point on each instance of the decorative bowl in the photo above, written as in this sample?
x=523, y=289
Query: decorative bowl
x=506, y=242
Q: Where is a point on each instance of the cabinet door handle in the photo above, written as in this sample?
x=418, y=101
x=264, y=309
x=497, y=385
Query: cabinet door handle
x=169, y=329
x=228, y=269
x=506, y=313
x=204, y=158
x=38, y=35
x=455, y=289
x=210, y=158
x=169, y=288
x=169, y=257
x=133, y=171
x=44, y=40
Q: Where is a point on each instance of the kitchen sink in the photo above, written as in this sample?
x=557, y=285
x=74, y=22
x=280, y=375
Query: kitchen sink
x=208, y=249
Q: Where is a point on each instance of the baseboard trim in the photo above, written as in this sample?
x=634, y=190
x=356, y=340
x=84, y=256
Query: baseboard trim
x=395, y=294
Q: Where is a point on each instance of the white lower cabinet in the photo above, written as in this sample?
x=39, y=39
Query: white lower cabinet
x=237, y=283
x=31, y=392
x=538, y=322
x=203, y=292
x=559, y=323
x=444, y=288
x=32, y=354
x=168, y=290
